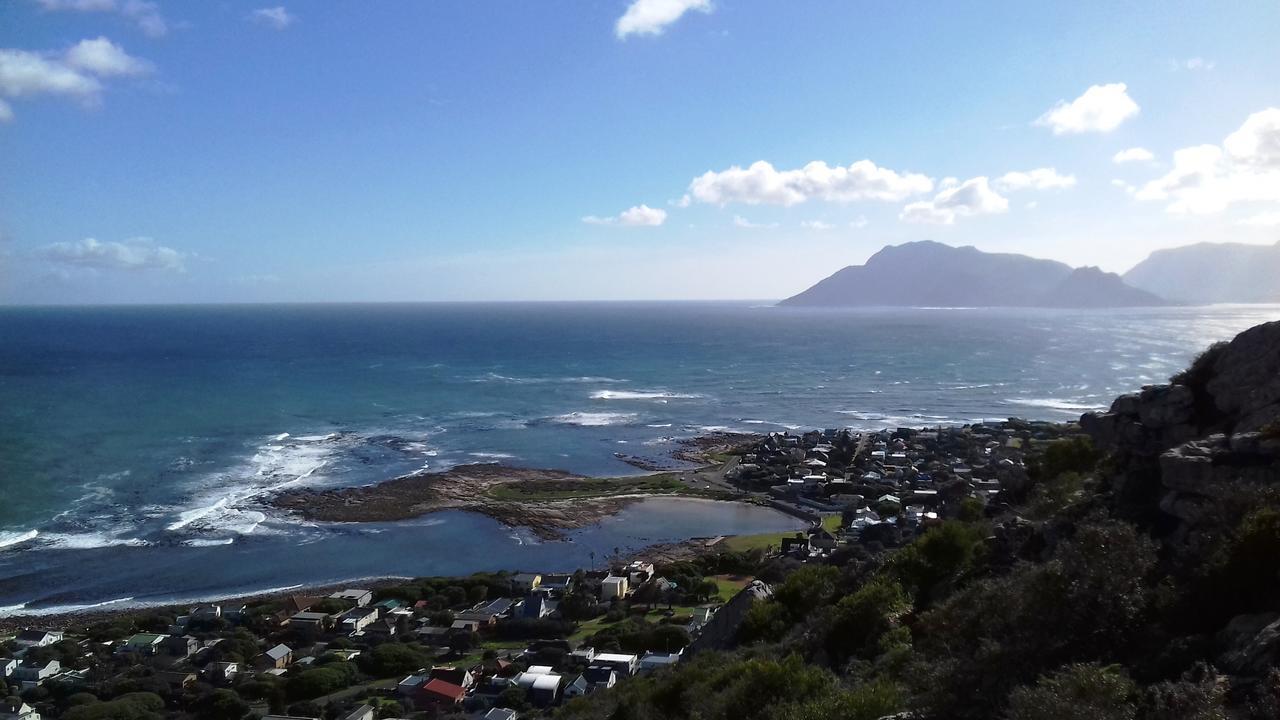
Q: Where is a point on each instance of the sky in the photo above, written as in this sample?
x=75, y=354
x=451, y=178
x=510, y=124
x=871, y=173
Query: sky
x=221, y=151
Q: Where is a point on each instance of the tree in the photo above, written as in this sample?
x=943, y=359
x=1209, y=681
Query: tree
x=222, y=704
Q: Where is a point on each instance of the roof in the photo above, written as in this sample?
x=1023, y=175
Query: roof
x=546, y=682
x=279, y=652
x=500, y=714
x=142, y=639
x=444, y=689
x=615, y=657
x=34, y=635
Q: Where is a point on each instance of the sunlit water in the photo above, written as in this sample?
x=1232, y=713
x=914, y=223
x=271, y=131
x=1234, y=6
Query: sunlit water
x=135, y=442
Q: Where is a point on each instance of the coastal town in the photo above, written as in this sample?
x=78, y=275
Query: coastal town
x=505, y=645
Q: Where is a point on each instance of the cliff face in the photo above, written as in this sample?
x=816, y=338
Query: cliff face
x=1193, y=456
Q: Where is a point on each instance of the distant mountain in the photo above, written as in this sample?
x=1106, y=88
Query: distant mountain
x=1211, y=273
x=930, y=274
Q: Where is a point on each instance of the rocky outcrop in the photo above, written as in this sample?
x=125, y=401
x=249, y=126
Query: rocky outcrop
x=1194, y=453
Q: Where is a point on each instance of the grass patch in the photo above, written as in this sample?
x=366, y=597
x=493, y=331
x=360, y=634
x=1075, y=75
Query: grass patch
x=832, y=523
x=743, y=543
x=729, y=586
x=587, y=487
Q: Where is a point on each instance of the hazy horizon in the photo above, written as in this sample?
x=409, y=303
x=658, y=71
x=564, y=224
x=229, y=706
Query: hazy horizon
x=628, y=150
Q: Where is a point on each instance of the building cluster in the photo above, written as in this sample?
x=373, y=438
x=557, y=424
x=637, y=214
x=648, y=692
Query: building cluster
x=886, y=485
x=300, y=633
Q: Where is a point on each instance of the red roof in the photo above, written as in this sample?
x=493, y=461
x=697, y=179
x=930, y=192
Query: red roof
x=444, y=690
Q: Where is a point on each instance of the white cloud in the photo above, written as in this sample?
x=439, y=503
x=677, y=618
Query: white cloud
x=1038, y=179
x=145, y=14
x=638, y=216
x=1271, y=218
x=274, y=17
x=859, y=222
x=761, y=183
x=73, y=74
x=132, y=254
x=103, y=57
x=1193, y=64
x=971, y=197
x=1207, y=179
x=739, y=221
x=6, y=111
x=816, y=225
x=1100, y=109
x=1133, y=154
x=651, y=17
x=1118, y=183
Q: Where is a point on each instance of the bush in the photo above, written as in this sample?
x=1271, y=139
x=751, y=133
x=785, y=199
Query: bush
x=392, y=659
x=1077, y=692
x=131, y=706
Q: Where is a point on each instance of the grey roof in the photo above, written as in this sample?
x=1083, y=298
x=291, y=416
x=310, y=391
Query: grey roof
x=279, y=652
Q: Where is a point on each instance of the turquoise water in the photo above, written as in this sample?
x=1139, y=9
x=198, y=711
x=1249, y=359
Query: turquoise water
x=135, y=441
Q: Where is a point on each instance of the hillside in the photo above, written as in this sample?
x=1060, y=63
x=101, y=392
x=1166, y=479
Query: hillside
x=930, y=274
x=1132, y=578
x=1211, y=273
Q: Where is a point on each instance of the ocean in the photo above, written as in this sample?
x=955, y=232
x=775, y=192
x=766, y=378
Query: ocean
x=135, y=441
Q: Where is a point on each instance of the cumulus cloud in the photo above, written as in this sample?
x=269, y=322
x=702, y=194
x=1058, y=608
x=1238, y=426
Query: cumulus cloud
x=136, y=254
x=102, y=57
x=971, y=197
x=762, y=184
x=1133, y=154
x=276, y=17
x=638, y=216
x=1038, y=179
x=143, y=13
x=1102, y=108
x=651, y=17
x=73, y=74
x=1207, y=179
x=816, y=225
x=859, y=222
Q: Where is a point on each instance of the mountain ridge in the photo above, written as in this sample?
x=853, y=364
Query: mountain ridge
x=927, y=273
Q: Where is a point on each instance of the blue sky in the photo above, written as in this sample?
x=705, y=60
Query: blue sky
x=228, y=151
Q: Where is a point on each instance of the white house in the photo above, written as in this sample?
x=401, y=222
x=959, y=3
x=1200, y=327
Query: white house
x=624, y=665
x=613, y=587
x=37, y=638
x=14, y=709
x=359, y=598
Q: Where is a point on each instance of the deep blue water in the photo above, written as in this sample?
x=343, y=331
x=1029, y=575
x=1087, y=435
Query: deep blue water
x=134, y=440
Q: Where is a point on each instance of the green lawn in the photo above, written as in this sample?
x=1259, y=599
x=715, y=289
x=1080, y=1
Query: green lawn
x=743, y=543
x=832, y=523
x=729, y=586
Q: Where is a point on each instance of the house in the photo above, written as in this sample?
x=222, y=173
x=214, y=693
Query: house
x=525, y=582
x=359, y=598
x=576, y=688
x=179, y=646
x=318, y=621
x=639, y=571
x=221, y=673
x=206, y=613
x=363, y=712
x=7, y=666
x=410, y=686
x=542, y=685
x=613, y=587
x=357, y=618
x=383, y=627
x=537, y=606
x=795, y=545
x=584, y=655
x=143, y=644
x=600, y=677
x=31, y=673
x=277, y=657
x=468, y=626
x=37, y=638
x=656, y=661
x=177, y=680
x=461, y=677
x=14, y=709
x=439, y=693
x=496, y=608
x=556, y=583
x=500, y=714
x=624, y=665
x=295, y=604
